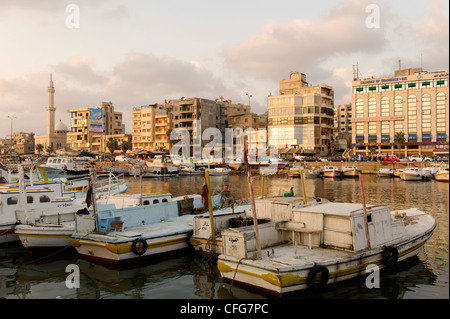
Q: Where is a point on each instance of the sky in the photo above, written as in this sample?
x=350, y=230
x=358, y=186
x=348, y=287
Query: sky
x=142, y=52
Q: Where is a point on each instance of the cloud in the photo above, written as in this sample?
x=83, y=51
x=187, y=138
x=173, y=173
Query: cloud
x=138, y=79
x=304, y=45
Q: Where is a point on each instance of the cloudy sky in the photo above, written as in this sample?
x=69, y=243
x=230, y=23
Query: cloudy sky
x=139, y=52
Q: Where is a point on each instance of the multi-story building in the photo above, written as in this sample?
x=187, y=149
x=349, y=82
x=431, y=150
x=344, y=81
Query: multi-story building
x=414, y=102
x=150, y=128
x=301, y=116
x=79, y=136
x=342, y=127
x=23, y=143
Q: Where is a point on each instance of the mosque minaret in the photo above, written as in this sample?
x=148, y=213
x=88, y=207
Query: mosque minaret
x=51, y=108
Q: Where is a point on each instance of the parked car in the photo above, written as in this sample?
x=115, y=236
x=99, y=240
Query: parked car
x=390, y=158
x=416, y=158
x=403, y=159
x=322, y=159
x=121, y=158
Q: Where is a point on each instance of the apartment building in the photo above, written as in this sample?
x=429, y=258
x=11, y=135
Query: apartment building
x=413, y=101
x=343, y=127
x=79, y=137
x=302, y=116
x=150, y=128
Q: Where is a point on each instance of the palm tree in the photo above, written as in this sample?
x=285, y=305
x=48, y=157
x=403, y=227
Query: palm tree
x=39, y=148
x=49, y=150
x=112, y=145
x=399, y=139
x=125, y=146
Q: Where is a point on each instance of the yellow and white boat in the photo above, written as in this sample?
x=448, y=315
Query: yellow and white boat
x=320, y=245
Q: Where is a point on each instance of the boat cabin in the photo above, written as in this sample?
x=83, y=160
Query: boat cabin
x=331, y=225
x=60, y=162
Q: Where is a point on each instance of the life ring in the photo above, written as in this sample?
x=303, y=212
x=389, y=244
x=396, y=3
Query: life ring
x=390, y=257
x=311, y=281
x=139, y=246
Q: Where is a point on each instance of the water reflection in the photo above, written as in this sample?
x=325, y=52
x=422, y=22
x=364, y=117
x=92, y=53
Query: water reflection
x=188, y=276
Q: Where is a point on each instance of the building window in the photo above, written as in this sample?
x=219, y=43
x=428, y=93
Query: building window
x=372, y=107
x=372, y=128
x=398, y=106
x=385, y=130
x=426, y=113
x=398, y=126
x=412, y=114
x=359, y=108
x=385, y=105
x=441, y=110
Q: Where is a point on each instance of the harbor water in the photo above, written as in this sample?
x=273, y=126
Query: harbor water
x=187, y=275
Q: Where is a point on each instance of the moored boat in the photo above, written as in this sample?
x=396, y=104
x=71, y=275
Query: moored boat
x=321, y=245
x=351, y=171
x=330, y=171
x=385, y=172
x=442, y=174
x=412, y=174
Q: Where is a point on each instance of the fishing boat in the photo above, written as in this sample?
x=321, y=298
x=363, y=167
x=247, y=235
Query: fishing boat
x=118, y=235
x=160, y=167
x=190, y=171
x=319, y=245
x=312, y=172
x=331, y=171
x=398, y=172
x=218, y=171
x=241, y=216
x=385, y=172
x=442, y=174
x=351, y=171
x=64, y=166
x=412, y=174
x=294, y=172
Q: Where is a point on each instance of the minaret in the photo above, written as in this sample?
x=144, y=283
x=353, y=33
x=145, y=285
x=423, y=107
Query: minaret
x=51, y=108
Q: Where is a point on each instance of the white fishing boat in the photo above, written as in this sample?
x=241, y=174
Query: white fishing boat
x=241, y=216
x=64, y=166
x=294, y=171
x=218, y=171
x=54, y=228
x=119, y=235
x=442, y=174
x=312, y=172
x=351, y=171
x=331, y=171
x=190, y=171
x=160, y=167
x=385, y=172
x=412, y=174
x=398, y=172
x=320, y=245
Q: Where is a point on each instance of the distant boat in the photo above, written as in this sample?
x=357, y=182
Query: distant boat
x=442, y=174
x=351, y=171
x=331, y=171
x=218, y=171
x=385, y=172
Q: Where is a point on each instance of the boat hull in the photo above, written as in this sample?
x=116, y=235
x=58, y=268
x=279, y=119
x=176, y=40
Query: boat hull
x=441, y=177
x=332, y=174
x=50, y=237
x=411, y=177
x=111, y=253
x=352, y=173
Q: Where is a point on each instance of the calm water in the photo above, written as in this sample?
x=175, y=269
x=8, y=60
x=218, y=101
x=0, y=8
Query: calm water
x=188, y=276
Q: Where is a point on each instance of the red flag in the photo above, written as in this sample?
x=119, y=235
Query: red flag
x=89, y=195
x=205, y=197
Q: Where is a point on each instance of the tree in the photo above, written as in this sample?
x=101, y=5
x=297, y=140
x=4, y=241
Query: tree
x=125, y=146
x=399, y=139
x=49, y=150
x=39, y=148
x=112, y=145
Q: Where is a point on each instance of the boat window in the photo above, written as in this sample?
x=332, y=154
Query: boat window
x=155, y=201
x=12, y=201
x=146, y=202
x=369, y=218
x=44, y=199
x=59, y=160
x=164, y=200
x=29, y=199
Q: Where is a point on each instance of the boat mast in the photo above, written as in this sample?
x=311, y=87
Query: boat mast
x=366, y=226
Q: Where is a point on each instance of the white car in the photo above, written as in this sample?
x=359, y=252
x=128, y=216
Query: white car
x=416, y=158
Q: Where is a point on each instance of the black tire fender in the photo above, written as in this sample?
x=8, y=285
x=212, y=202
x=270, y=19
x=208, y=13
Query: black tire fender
x=311, y=281
x=390, y=257
x=139, y=246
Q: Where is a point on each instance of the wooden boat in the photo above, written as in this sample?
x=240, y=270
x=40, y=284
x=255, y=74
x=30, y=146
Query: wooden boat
x=312, y=172
x=398, y=172
x=331, y=171
x=118, y=235
x=218, y=171
x=412, y=174
x=442, y=174
x=320, y=245
x=294, y=172
x=385, y=172
x=240, y=216
x=351, y=171
x=54, y=228
x=190, y=171
x=160, y=167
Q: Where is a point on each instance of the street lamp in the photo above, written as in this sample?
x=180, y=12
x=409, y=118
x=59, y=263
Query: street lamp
x=249, y=96
x=12, y=119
